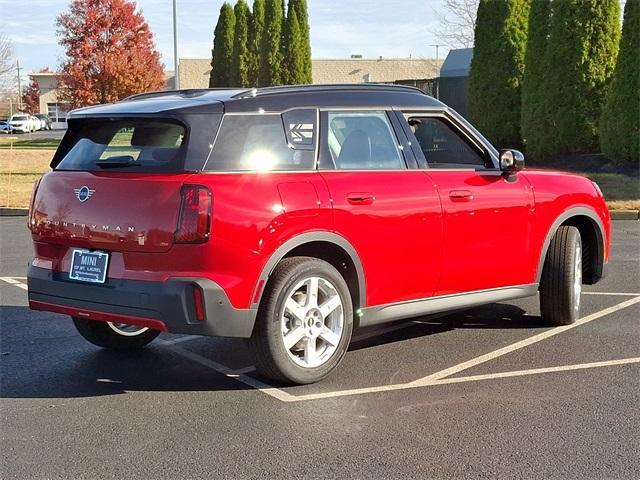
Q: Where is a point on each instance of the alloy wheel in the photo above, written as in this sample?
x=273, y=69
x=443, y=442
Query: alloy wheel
x=577, y=278
x=127, y=330
x=312, y=321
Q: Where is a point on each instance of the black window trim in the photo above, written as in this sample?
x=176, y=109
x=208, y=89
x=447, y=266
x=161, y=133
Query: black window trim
x=474, y=142
x=324, y=128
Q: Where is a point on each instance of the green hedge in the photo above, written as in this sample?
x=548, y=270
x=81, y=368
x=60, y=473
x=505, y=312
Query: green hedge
x=619, y=125
x=495, y=80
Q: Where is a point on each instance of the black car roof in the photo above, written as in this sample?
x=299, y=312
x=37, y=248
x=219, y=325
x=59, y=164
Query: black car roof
x=267, y=99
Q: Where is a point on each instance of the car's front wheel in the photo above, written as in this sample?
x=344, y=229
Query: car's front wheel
x=561, y=281
x=304, y=322
x=114, y=336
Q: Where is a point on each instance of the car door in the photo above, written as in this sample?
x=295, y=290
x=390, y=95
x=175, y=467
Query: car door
x=389, y=213
x=487, y=217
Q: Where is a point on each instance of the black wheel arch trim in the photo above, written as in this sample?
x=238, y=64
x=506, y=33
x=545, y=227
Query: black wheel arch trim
x=562, y=218
x=302, y=239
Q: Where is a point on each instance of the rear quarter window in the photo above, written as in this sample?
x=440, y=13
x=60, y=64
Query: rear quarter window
x=138, y=145
x=259, y=143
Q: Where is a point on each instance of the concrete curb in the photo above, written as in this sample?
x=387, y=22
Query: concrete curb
x=13, y=212
x=625, y=215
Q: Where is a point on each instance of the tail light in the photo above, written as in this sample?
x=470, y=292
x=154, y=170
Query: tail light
x=31, y=217
x=194, y=223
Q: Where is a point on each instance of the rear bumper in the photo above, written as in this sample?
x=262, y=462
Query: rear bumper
x=166, y=306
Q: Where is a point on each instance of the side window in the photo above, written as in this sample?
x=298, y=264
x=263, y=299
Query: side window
x=256, y=143
x=443, y=147
x=360, y=141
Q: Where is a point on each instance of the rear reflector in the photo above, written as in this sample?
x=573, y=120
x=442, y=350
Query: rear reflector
x=195, y=215
x=197, y=300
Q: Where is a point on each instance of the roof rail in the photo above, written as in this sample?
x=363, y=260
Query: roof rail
x=185, y=92
x=254, y=92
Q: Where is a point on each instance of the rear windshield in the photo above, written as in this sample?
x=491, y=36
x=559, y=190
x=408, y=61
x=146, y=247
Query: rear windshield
x=127, y=144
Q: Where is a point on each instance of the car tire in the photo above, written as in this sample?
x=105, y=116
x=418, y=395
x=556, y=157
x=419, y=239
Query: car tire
x=323, y=322
x=561, y=281
x=114, y=336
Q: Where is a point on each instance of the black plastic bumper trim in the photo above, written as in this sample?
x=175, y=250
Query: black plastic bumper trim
x=171, y=301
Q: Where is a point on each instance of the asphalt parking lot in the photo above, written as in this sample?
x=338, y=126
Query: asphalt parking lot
x=487, y=392
x=40, y=134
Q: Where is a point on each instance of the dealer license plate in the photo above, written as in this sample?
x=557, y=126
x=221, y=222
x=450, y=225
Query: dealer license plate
x=89, y=266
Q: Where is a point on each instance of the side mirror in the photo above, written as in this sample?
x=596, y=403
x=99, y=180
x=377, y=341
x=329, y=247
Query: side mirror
x=511, y=161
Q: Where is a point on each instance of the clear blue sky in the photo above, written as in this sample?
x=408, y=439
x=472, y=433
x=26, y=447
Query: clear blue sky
x=339, y=28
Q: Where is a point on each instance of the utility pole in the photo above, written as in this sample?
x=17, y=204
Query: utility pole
x=175, y=45
x=437, y=89
x=19, y=86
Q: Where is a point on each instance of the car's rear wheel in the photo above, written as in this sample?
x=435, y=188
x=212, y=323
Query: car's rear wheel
x=561, y=281
x=304, y=322
x=115, y=336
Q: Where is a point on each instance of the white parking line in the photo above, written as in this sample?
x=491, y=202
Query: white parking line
x=234, y=374
x=14, y=282
x=438, y=378
x=613, y=294
x=522, y=343
x=446, y=381
x=536, y=371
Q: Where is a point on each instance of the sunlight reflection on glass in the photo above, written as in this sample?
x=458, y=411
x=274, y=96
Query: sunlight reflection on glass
x=261, y=160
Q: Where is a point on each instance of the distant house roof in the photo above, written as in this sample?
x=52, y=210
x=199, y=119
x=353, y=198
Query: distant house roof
x=194, y=72
x=359, y=70
x=457, y=63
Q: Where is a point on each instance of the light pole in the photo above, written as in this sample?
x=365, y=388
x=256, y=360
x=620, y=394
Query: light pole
x=175, y=46
x=19, y=86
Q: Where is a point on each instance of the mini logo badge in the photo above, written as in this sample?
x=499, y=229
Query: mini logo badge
x=83, y=193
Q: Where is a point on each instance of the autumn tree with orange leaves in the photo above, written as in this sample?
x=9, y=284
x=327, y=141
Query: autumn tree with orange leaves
x=110, y=51
x=31, y=97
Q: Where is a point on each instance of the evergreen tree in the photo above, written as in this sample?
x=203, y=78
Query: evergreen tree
x=495, y=80
x=580, y=59
x=255, y=40
x=293, y=63
x=620, y=123
x=222, y=48
x=300, y=7
x=534, y=108
x=241, y=59
x=270, y=53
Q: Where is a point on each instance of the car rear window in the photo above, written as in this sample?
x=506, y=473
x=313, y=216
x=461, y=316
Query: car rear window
x=138, y=145
x=259, y=143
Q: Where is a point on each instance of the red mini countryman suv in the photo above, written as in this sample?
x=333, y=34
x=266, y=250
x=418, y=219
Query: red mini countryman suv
x=292, y=215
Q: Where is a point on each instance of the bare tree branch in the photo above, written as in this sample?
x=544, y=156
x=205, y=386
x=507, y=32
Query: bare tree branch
x=457, y=23
x=6, y=55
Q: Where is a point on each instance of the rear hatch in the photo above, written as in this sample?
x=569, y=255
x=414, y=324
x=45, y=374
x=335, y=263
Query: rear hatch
x=116, y=185
x=111, y=211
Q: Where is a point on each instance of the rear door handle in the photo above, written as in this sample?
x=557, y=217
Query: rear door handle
x=460, y=195
x=362, y=198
